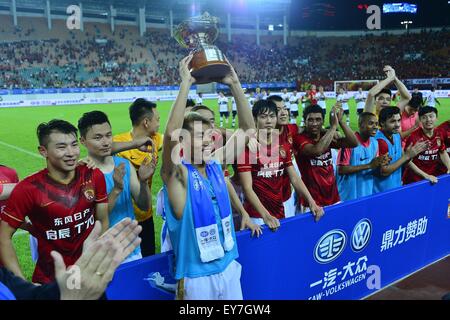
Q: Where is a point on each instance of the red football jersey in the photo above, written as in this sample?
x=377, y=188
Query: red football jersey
x=312, y=96
x=317, y=172
x=429, y=160
x=7, y=175
x=287, y=135
x=62, y=215
x=445, y=128
x=268, y=175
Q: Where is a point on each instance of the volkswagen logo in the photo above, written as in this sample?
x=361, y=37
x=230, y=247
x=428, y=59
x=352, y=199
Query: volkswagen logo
x=361, y=235
x=330, y=246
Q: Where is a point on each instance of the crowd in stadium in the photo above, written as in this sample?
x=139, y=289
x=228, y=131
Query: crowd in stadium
x=281, y=170
x=99, y=58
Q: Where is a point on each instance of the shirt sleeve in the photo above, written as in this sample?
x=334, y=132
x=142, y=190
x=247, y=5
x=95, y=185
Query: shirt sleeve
x=301, y=141
x=344, y=156
x=19, y=205
x=100, y=187
x=382, y=147
x=24, y=290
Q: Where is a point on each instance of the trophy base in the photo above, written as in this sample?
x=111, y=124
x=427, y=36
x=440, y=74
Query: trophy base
x=209, y=65
x=210, y=73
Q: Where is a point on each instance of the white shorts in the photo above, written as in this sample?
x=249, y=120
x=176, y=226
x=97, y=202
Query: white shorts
x=220, y=286
x=166, y=244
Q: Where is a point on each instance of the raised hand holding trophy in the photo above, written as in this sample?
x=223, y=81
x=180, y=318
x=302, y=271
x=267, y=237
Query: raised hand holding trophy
x=198, y=33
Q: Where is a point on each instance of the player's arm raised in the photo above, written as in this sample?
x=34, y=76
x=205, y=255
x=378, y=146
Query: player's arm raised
x=175, y=121
x=370, y=101
x=404, y=94
x=245, y=117
x=237, y=142
x=172, y=173
x=349, y=140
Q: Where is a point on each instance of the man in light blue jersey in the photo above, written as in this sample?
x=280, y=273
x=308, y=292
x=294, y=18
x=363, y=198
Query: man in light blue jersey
x=389, y=142
x=196, y=200
x=122, y=182
x=356, y=166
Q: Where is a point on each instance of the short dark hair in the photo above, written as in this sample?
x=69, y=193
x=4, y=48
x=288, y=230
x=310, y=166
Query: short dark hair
x=262, y=106
x=387, y=113
x=313, y=108
x=384, y=90
x=192, y=117
x=415, y=102
x=90, y=119
x=202, y=107
x=46, y=128
x=427, y=109
x=139, y=109
x=275, y=98
x=364, y=116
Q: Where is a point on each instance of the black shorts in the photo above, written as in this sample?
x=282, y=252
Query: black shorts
x=294, y=114
x=359, y=111
x=234, y=113
x=225, y=114
x=347, y=112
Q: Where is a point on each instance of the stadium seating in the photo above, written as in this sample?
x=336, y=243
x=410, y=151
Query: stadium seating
x=79, y=60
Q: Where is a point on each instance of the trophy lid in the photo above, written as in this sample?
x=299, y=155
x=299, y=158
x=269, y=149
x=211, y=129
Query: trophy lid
x=187, y=32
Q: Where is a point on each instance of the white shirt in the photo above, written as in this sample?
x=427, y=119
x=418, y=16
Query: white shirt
x=343, y=98
x=233, y=104
x=285, y=97
x=223, y=104
x=293, y=100
x=321, y=100
x=431, y=99
x=199, y=100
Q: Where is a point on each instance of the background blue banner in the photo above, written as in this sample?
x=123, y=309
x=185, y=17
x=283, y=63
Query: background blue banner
x=395, y=233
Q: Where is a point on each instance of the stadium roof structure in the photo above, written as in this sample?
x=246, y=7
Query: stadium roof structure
x=242, y=11
x=300, y=14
